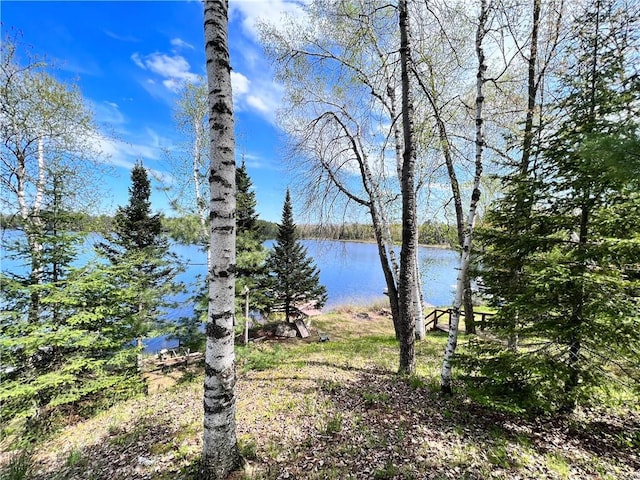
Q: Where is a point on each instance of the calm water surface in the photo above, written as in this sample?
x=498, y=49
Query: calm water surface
x=350, y=270
x=352, y=274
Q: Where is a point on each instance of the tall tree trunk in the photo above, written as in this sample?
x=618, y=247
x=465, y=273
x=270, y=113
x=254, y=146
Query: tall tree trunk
x=452, y=341
x=406, y=284
x=34, y=226
x=469, y=319
x=198, y=144
x=418, y=302
x=220, y=450
x=387, y=264
x=523, y=202
x=443, y=137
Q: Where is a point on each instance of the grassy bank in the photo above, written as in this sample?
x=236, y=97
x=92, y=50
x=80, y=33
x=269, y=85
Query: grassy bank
x=337, y=410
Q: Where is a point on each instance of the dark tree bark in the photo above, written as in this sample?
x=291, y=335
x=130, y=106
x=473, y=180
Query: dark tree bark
x=408, y=269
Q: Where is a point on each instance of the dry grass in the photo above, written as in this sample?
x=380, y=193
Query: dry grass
x=336, y=409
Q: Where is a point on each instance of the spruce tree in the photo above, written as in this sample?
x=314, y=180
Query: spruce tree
x=293, y=279
x=78, y=350
x=575, y=303
x=250, y=253
x=246, y=216
x=139, y=250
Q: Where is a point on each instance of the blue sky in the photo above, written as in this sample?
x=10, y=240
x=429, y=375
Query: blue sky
x=128, y=58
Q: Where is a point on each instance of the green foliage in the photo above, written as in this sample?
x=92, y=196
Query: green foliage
x=18, y=467
x=250, y=253
x=185, y=229
x=268, y=230
x=436, y=233
x=135, y=228
x=78, y=352
x=293, y=279
x=188, y=332
x=429, y=233
x=373, y=399
x=246, y=216
x=333, y=424
x=258, y=359
x=387, y=472
x=63, y=337
x=562, y=246
x=248, y=448
x=139, y=253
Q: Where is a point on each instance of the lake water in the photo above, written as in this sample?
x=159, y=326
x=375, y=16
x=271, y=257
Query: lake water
x=350, y=271
x=352, y=274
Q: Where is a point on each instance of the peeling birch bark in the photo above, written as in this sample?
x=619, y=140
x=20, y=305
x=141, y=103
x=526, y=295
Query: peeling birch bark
x=452, y=341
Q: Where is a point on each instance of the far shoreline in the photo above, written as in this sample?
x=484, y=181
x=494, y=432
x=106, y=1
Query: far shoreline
x=441, y=246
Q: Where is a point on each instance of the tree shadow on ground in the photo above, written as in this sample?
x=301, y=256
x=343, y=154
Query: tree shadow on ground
x=379, y=425
x=327, y=421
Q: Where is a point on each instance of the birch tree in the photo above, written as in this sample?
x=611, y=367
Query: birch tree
x=46, y=130
x=191, y=160
x=446, y=377
x=220, y=453
x=343, y=118
x=440, y=75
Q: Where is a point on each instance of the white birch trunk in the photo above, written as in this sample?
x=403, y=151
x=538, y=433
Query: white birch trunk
x=200, y=201
x=406, y=284
x=32, y=218
x=452, y=341
x=220, y=451
x=418, y=304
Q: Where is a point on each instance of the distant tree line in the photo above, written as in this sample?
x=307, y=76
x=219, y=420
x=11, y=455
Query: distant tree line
x=429, y=233
x=80, y=221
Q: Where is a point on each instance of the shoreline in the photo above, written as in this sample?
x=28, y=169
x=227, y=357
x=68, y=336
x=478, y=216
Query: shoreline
x=440, y=246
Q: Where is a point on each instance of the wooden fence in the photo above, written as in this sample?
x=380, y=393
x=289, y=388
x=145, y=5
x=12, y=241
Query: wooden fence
x=433, y=317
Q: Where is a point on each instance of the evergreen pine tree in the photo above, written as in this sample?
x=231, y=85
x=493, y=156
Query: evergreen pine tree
x=577, y=252
x=250, y=253
x=139, y=250
x=246, y=216
x=78, y=350
x=293, y=278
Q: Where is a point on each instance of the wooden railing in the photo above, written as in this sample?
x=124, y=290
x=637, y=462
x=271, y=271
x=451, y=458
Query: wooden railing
x=437, y=313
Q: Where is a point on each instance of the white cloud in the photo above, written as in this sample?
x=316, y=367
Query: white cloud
x=259, y=94
x=124, y=154
x=255, y=89
x=108, y=113
x=138, y=61
x=173, y=70
x=239, y=83
x=172, y=84
x=274, y=12
x=122, y=38
x=179, y=43
x=257, y=103
x=175, y=67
